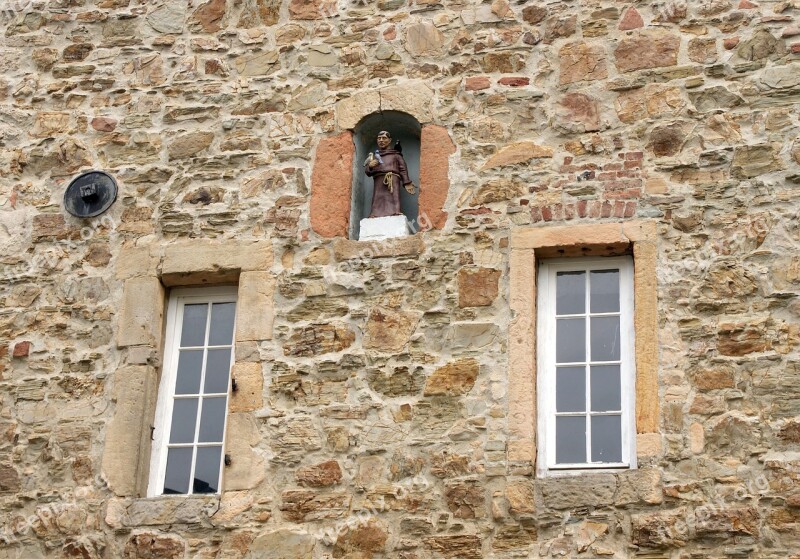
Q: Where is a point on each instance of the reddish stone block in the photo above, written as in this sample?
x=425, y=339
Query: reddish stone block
x=634, y=156
x=630, y=209
x=547, y=214
x=730, y=43
x=536, y=214
x=21, y=349
x=581, y=207
x=747, y=5
x=476, y=83
x=631, y=19
x=606, y=209
x=104, y=124
x=795, y=48
x=514, y=82
x=331, y=186
x=434, y=175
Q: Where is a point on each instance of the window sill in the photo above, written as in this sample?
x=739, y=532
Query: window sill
x=124, y=513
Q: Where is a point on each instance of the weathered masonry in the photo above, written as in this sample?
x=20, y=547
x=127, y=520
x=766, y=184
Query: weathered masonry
x=586, y=347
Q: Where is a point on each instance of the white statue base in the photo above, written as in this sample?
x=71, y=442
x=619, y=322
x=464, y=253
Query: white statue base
x=379, y=228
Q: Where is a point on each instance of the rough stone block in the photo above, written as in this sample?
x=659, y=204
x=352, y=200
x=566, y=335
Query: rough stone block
x=594, y=490
x=255, y=313
x=141, y=313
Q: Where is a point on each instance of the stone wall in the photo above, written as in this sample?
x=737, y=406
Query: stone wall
x=382, y=427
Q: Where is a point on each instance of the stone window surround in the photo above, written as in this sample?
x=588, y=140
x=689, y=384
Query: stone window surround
x=147, y=273
x=596, y=239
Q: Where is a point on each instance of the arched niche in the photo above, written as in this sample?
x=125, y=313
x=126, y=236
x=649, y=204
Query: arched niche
x=408, y=131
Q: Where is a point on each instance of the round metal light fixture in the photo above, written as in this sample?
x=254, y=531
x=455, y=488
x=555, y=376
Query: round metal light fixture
x=90, y=194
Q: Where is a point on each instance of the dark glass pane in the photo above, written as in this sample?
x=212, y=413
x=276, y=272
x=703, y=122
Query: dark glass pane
x=194, y=325
x=179, y=468
x=570, y=340
x=190, y=365
x=571, y=440
x=570, y=389
x=607, y=438
x=212, y=420
x=606, y=391
x=184, y=419
x=604, y=296
x=206, y=470
x=570, y=292
x=218, y=369
x=222, y=316
x=605, y=338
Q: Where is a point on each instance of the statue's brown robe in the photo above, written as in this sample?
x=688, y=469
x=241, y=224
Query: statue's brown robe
x=385, y=203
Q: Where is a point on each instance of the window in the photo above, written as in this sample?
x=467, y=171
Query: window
x=585, y=362
x=189, y=435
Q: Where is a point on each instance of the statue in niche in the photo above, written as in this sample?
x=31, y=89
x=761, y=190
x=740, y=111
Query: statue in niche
x=388, y=171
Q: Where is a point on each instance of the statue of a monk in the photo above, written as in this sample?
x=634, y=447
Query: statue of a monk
x=388, y=171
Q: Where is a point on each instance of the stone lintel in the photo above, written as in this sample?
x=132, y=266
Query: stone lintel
x=211, y=262
x=599, y=237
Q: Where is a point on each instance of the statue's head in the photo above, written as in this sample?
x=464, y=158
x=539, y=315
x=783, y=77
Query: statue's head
x=384, y=139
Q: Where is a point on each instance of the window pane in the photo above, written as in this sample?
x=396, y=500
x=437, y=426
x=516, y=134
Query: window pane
x=184, y=419
x=570, y=292
x=206, y=470
x=190, y=365
x=606, y=391
x=212, y=421
x=194, y=325
x=570, y=340
x=179, y=468
x=571, y=440
x=222, y=316
x=218, y=368
x=605, y=338
x=570, y=389
x=607, y=438
x=604, y=296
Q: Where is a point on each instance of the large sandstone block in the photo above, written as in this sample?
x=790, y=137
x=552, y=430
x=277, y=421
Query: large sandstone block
x=436, y=147
x=255, y=313
x=126, y=453
x=247, y=469
x=249, y=387
x=141, y=313
x=331, y=186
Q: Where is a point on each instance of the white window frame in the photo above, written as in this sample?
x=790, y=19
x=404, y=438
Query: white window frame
x=545, y=363
x=178, y=298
